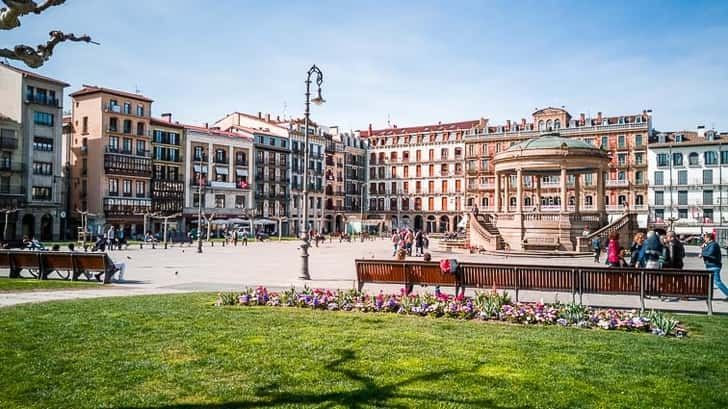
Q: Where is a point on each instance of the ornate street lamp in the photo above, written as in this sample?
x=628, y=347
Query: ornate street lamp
x=318, y=100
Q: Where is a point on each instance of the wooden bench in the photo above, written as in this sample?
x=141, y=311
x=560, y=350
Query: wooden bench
x=65, y=264
x=575, y=280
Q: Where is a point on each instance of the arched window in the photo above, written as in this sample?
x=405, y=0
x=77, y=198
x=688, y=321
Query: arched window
x=622, y=200
x=527, y=201
x=639, y=177
x=677, y=159
x=572, y=201
x=639, y=200
x=485, y=202
x=693, y=159
x=557, y=125
x=548, y=125
x=513, y=201
x=540, y=125
x=588, y=201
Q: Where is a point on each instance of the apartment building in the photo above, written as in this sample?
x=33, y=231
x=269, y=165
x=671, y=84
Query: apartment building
x=416, y=175
x=31, y=162
x=688, y=181
x=316, y=169
x=334, y=218
x=168, y=176
x=217, y=171
x=347, y=167
x=272, y=181
x=625, y=137
x=111, y=158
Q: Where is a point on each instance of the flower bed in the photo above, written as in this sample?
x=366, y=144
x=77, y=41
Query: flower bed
x=486, y=306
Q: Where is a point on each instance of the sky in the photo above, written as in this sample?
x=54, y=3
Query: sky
x=400, y=62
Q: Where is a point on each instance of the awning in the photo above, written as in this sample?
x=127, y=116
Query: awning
x=221, y=170
x=263, y=222
x=241, y=172
x=197, y=168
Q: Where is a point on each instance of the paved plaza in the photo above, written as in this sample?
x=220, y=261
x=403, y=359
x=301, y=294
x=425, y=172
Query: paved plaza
x=278, y=264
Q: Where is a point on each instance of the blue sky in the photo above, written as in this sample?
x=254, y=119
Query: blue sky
x=413, y=62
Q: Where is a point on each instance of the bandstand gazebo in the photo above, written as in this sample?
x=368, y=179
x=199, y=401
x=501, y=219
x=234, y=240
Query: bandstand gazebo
x=558, y=193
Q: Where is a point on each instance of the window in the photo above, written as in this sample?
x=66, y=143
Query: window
x=541, y=126
x=42, y=168
x=42, y=118
x=444, y=186
x=639, y=158
x=588, y=179
x=220, y=201
x=140, y=110
x=113, y=187
x=240, y=202
x=682, y=213
x=639, y=177
x=677, y=159
x=724, y=157
x=638, y=140
x=199, y=153
x=620, y=142
x=220, y=156
x=42, y=193
x=113, y=124
x=708, y=177
x=126, y=187
x=621, y=175
x=588, y=201
x=126, y=146
x=605, y=142
x=84, y=125
x=431, y=154
x=639, y=200
x=127, y=108
x=113, y=143
x=693, y=159
x=682, y=197
x=127, y=126
x=662, y=160
x=140, y=128
x=708, y=197
x=196, y=200
x=682, y=177
x=418, y=155
x=42, y=144
x=557, y=125
x=708, y=216
x=660, y=214
x=141, y=188
x=141, y=148
x=431, y=170
x=443, y=154
x=622, y=159
x=659, y=178
x=711, y=158
x=659, y=198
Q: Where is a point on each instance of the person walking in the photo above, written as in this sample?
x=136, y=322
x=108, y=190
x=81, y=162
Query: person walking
x=614, y=250
x=245, y=238
x=635, y=250
x=418, y=243
x=652, y=250
x=713, y=260
x=110, y=237
x=395, y=243
x=597, y=247
x=676, y=250
x=409, y=241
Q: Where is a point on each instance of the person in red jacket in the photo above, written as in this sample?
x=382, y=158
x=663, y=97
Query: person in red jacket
x=614, y=250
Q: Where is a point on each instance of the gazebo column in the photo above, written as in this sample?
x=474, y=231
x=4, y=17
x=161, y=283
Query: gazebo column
x=519, y=191
x=506, y=192
x=600, y=190
x=577, y=193
x=564, y=193
x=496, y=198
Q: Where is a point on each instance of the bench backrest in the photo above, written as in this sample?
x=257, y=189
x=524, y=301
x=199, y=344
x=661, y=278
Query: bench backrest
x=57, y=261
x=53, y=260
x=90, y=261
x=593, y=280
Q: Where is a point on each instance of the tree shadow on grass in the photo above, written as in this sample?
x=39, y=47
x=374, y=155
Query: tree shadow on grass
x=370, y=393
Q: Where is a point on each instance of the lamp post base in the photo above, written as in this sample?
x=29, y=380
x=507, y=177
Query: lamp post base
x=304, y=259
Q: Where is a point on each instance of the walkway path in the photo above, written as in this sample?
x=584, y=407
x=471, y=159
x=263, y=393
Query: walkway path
x=278, y=265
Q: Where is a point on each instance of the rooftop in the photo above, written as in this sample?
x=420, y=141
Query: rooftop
x=92, y=89
x=33, y=75
x=550, y=141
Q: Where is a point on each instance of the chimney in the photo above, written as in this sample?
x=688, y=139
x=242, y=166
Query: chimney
x=260, y=115
x=370, y=129
x=278, y=118
x=599, y=118
x=523, y=123
x=701, y=131
x=207, y=125
x=167, y=116
x=267, y=117
x=582, y=119
x=508, y=124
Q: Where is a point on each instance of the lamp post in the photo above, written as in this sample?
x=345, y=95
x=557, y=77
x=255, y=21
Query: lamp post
x=199, y=210
x=361, y=214
x=318, y=100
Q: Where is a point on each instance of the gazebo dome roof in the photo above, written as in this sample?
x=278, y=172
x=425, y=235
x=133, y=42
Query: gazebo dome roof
x=550, y=141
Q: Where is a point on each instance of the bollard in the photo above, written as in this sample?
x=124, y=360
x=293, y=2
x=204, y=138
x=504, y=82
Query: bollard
x=223, y=243
x=154, y=245
x=140, y=246
x=212, y=244
x=165, y=245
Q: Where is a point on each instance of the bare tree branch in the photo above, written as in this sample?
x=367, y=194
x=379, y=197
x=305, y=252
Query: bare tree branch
x=34, y=58
x=9, y=16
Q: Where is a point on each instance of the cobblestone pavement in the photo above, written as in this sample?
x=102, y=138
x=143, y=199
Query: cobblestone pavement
x=278, y=265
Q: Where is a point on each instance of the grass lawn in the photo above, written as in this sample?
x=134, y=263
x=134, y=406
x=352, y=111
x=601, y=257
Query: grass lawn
x=179, y=352
x=26, y=284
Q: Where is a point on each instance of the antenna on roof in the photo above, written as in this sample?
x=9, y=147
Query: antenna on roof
x=136, y=89
x=388, y=121
x=285, y=109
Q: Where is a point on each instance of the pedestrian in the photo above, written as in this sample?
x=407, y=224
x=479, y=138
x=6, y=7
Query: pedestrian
x=425, y=241
x=110, y=237
x=409, y=241
x=613, y=250
x=245, y=238
x=235, y=237
x=713, y=260
x=652, y=250
x=597, y=247
x=395, y=243
x=635, y=249
x=418, y=243
x=475, y=211
x=676, y=249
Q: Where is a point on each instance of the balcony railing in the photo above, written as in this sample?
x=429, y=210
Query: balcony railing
x=42, y=100
x=617, y=183
x=120, y=164
x=8, y=142
x=115, y=207
x=118, y=109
